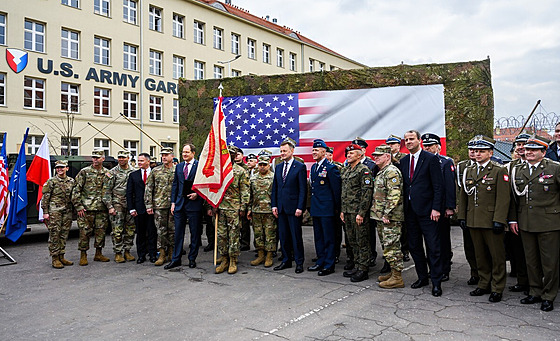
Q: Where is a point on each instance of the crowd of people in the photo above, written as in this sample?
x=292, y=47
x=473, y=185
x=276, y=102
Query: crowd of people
x=407, y=200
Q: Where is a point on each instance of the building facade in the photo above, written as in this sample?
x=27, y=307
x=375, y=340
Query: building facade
x=73, y=68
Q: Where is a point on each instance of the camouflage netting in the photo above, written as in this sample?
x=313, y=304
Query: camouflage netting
x=469, y=101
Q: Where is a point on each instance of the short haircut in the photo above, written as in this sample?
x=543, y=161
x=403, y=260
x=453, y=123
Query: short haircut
x=415, y=132
x=191, y=146
x=288, y=143
x=146, y=155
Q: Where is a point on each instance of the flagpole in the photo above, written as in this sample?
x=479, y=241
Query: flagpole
x=102, y=133
x=221, y=88
x=141, y=130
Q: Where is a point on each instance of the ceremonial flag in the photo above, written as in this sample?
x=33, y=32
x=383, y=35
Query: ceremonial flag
x=261, y=122
x=17, y=217
x=214, y=172
x=40, y=171
x=4, y=182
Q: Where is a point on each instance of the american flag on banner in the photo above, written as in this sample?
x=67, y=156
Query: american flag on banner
x=261, y=122
x=4, y=181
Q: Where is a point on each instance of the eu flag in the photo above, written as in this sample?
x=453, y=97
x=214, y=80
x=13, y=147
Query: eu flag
x=17, y=217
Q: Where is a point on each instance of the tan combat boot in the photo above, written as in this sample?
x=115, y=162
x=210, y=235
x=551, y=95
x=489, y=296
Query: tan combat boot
x=119, y=258
x=83, y=258
x=56, y=262
x=232, y=265
x=99, y=256
x=269, y=259
x=65, y=261
x=161, y=258
x=128, y=256
x=383, y=278
x=259, y=259
x=223, y=265
x=395, y=281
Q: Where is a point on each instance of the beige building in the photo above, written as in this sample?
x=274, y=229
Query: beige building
x=88, y=61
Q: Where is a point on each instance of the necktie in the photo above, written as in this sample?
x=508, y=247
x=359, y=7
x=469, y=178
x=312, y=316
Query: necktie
x=145, y=177
x=285, y=172
x=533, y=168
x=186, y=170
x=480, y=168
x=412, y=167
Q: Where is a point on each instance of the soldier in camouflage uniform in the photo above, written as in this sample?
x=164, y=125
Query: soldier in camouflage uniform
x=357, y=188
x=158, y=202
x=114, y=197
x=388, y=210
x=245, y=224
x=92, y=214
x=57, y=212
x=231, y=209
x=260, y=212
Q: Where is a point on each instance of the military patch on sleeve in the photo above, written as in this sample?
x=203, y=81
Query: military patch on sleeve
x=506, y=178
x=109, y=175
x=394, y=179
x=452, y=168
x=367, y=181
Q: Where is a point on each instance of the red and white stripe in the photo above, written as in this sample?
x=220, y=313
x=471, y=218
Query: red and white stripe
x=40, y=171
x=4, y=194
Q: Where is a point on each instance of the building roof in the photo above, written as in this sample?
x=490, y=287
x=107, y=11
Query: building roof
x=503, y=150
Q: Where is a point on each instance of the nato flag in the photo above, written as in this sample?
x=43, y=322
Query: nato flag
x=17, y=217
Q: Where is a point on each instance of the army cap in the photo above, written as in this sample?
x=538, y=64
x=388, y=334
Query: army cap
x=265, y=152
x=61, y=163
x=523, y=137
x=98, y=153
x=537, y=142
x=318, y=143
x=233, y=149
x=382, y=149
x=289, y=141
x=264, y=159
x=330, y=149
x=393, y=139
x=360, y=142
x=166, y=150
x=123, y=153
x=482, y=142
x=252, y=157
x=353, y=146
x=429, y=139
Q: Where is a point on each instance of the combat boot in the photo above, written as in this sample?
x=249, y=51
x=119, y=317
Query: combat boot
x=56, y=262
x=269, y=259
x=383, y=278
x=128, y=256
x=83, y=258
x=99, y=256
x=65, y=261
x=395, y=281
x=119, y=258
x=259, y=259
x=161, y=258
x=223, y=265
x=232, y=265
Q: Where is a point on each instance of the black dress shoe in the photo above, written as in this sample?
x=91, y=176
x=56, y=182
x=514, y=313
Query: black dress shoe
x=436, y=291
x=172, y=264
x=531, y=300
x=349, y=265
x=547, y=305
x=349, y=273
x=518, y=288
x=183, y=252
x=326, y=272
x=473, y=280
x=387, y=268
x=359, y=276
x=495, y=297
x=445, y=278
x=141, y=260
x=153, y=259
x=314, y=259
x=208, y=248
x=315, y=267
x=479, y=292
x=283, y=266
x=192, y=264
x=419, y=283
x=299, y=268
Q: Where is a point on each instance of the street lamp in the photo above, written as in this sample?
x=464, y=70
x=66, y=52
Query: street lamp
x=228, y=63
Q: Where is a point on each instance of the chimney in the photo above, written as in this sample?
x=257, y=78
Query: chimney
x=267, y=18
x=274, y=20
x=228, y=2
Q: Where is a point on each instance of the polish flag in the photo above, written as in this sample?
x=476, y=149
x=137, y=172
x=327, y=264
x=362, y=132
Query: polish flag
x=40, y=171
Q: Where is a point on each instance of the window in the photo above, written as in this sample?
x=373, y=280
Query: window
x=152, y=151
x=101, y=51
x=101, y=99
x=69, y=43
x=175, y=110
x=321, y=66
x=71, y=3
x=130, y=55
x=168, y=145
x=72, y=149
x=235, y=38
x=178, y=26
x=266, y=53
x=155, y=62
x=218, y=72
x=251, y=43
x=2, y=89
x=198, y=70
x=101, y=7
x=33, y=143
x=102, y=144
x=218, y=38
x=155, y=19
x=198, y=32
x=132, y=147
x=293, y=61
x=69, y=97
x=129, y=11
x=332, y=68
x=2, y=29
x=34, y=36
x=178, y=67
x=130, y=102
x=311, y=64
x=155, y=108
x=235, y=73
x=33, y=93
x=279, y=57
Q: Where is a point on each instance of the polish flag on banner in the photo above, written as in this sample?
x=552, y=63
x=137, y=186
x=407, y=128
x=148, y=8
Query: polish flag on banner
x=261, y=122
x=40, y=171
x=214, y=172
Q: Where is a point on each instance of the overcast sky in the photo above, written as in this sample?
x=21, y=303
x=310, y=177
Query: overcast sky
x=521, y=37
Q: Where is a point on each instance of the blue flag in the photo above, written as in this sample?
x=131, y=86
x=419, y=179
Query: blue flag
x=17, y=217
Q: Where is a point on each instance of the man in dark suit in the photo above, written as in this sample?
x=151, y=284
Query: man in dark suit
x=553, y=151
x=288, y=202
x=325, y=203
x=422, y=204
x=185, y=204
x=146, y=234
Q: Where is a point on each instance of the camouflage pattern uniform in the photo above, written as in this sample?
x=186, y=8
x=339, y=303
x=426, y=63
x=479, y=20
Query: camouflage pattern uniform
x=57, y=204
x=388, y=203
x=357, y=188
x=158, y=197
x=264, y=223
x=87, y=194
x=114, y=196
x=236, y=198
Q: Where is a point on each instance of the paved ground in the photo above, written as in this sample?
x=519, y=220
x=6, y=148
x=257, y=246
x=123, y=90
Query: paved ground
x=109, y=301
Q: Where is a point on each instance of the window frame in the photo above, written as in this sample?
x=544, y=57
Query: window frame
x=154, y=106
x=3, y=87
x=129, y=57
x=100, y=10
x=266, y=53
x=198, y=32
x=280, y=57
x=105, y=149
x=130, y=12
x=218, y=38
x=70, y=95
x=33, y=143
x=199, y=72
x=178, y=65
x=128, y=103
x=69, y=43
x=178, y=25
x=73, y=148
x=33, y=88
x=235, y=43
x=99, y=50
x=98, y=109
x=175, y=110
x=218, y=71
x=155, y=18
x=251, y=48
x=34, y=35
x=132, y=150
x=293, y=61
x=3, y=28
x=69, y=3
x=155, y=63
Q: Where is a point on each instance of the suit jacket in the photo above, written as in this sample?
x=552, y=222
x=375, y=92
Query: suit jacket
x=552, y=151
x=449, y=191
x=135, y=188
x=289, y=195
x=325, y=184
x=424, y=190
x=177, y=195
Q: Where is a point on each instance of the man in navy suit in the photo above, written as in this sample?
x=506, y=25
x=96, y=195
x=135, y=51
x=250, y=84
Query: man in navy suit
x=288, y=202
x=185, y=204
x=553, y=151
x=146, y=234
x=422, y=193
x=325, y=184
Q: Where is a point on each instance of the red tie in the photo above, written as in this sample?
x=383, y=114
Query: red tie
x=186, y=170
x=412, y=167
x=145, y=176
